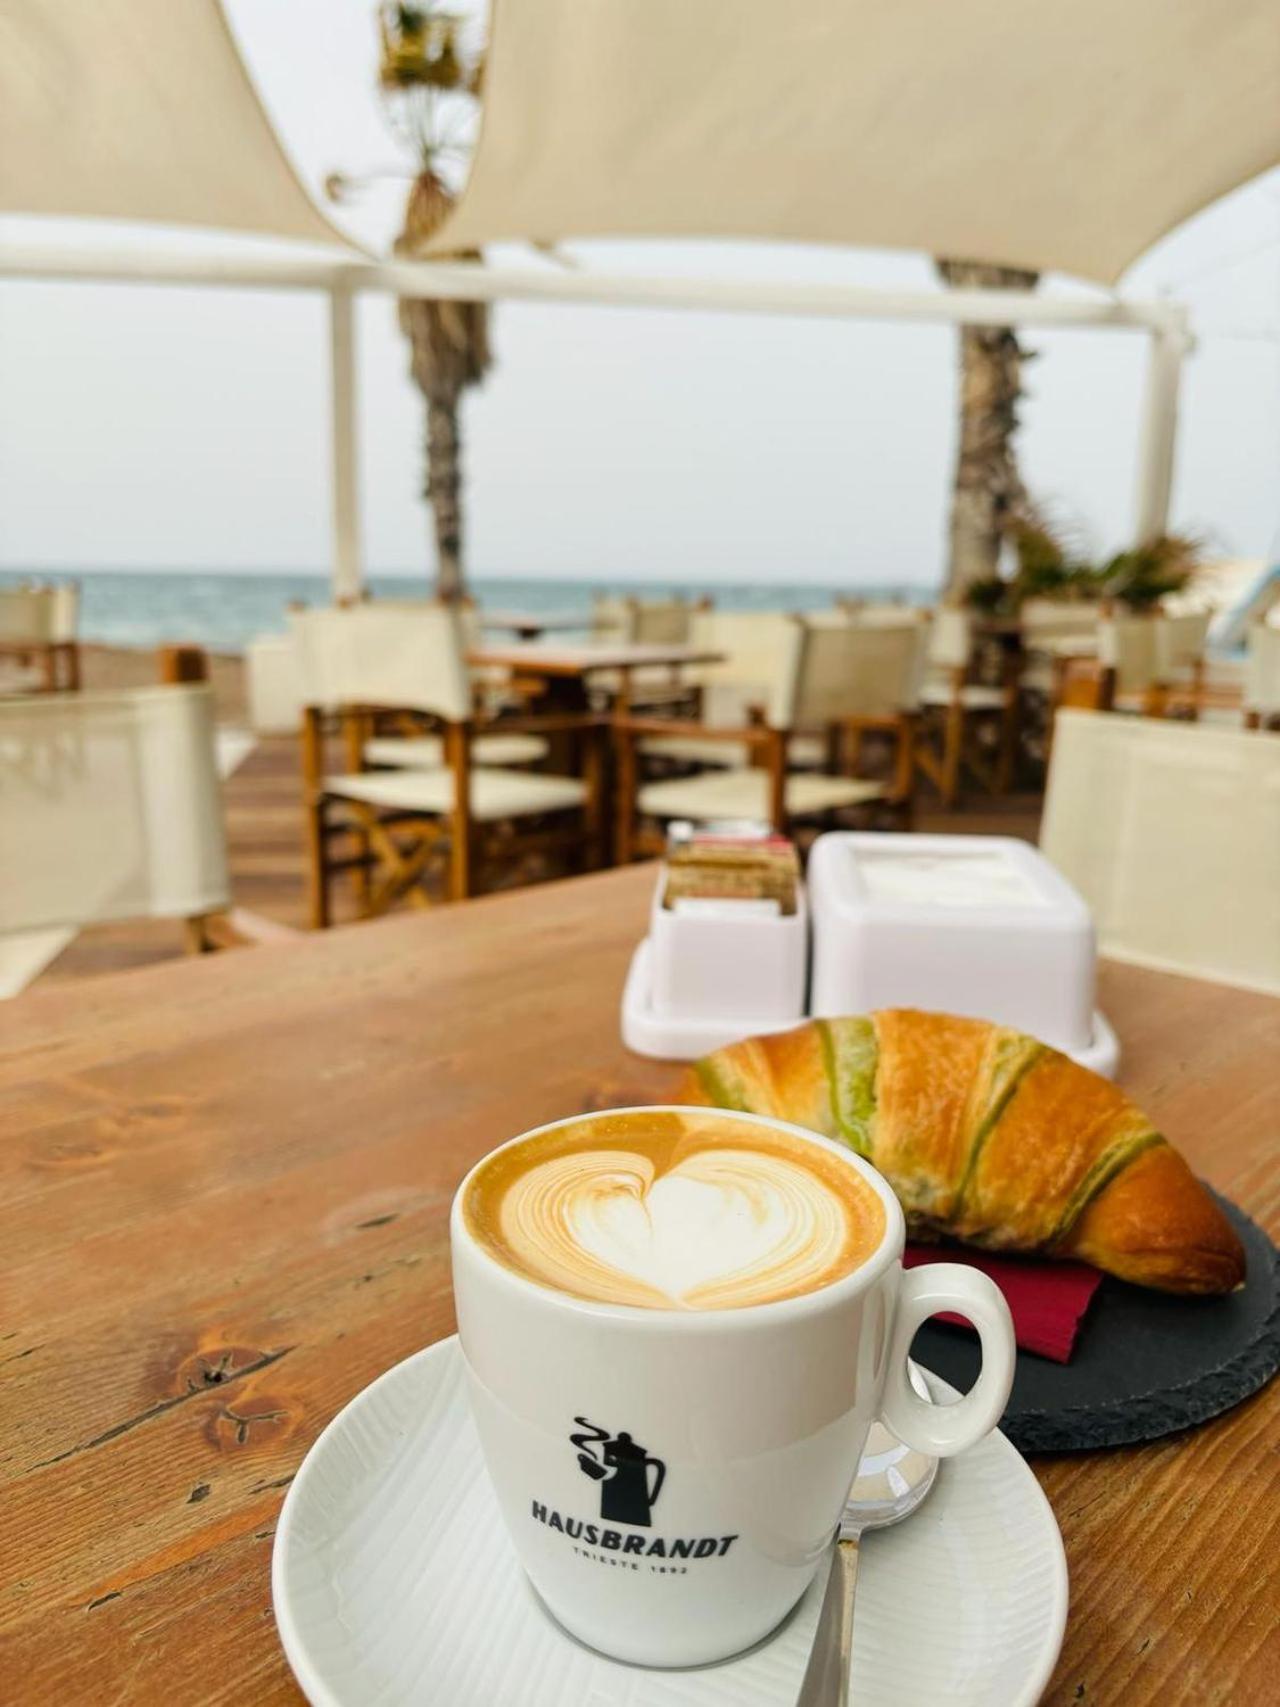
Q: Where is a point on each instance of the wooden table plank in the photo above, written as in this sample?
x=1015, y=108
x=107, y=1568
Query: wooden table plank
x=223, y=1210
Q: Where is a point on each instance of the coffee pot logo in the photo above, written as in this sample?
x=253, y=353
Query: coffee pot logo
x=628, y=1493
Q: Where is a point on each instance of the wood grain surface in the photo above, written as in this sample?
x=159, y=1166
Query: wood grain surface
x=224, y=1188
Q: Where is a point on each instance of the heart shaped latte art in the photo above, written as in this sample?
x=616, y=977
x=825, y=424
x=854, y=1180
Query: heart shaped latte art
x=722, y=1228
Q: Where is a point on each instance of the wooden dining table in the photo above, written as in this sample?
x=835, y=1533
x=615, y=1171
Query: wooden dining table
x=224, y=1190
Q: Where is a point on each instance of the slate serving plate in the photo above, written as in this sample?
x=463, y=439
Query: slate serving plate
x=1145, y=1365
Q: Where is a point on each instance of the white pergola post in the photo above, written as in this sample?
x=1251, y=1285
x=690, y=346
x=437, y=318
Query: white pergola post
x=348, y=566
x=1159, y=431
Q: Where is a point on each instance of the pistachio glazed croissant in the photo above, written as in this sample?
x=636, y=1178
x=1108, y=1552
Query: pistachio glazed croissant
x=992, y=1138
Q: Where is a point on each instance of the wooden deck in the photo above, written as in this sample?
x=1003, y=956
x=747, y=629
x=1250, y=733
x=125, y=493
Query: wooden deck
x=264, y=832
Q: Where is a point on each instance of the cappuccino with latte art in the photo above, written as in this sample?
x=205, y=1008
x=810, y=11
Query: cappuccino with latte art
x=678, y=1325
x=662, y=1210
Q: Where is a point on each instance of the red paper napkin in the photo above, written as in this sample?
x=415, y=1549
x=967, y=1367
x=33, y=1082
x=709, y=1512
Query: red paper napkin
x=1047, y=1300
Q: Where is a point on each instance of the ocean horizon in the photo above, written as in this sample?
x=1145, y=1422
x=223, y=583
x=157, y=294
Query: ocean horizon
x=222, y=610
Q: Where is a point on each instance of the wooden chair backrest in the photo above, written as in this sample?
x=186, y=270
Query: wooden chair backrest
x=110, y=808
x=404, y=657
x=1171, y=832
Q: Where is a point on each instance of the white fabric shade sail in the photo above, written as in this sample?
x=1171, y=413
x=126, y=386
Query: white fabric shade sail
x=140, y=110
x=1037, y=134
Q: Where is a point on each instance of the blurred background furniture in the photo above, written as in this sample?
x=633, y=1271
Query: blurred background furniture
x=111, y=808
x=39, y=648
x=1171, y=832
x=965, y=725
x=1262, y=677
x=393, y=830
x=830, y=682
x=1179, y=644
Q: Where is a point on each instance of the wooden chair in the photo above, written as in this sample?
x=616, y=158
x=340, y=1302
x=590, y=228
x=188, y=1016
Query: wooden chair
x=1178, y=657
x=1153, y=663
x=1262, y=677
x=1171, y=832
x=39, y=651
x=398, y=824
x=729, y=694
x=659, y=622
x=838, y=680
x=956, y=713
x=111, y=808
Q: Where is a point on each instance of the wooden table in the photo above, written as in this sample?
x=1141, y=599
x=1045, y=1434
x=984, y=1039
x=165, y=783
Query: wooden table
x=223, y=1210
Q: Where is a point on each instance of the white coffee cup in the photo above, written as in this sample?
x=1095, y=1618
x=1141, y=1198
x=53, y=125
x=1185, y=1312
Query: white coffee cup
x=735, y=1432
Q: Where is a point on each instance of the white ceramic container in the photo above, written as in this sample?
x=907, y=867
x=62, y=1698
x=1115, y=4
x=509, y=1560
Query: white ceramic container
x=977, y=925
x=728, y=961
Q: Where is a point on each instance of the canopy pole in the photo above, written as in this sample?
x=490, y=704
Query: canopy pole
x=348, y=568
x=1159, y=435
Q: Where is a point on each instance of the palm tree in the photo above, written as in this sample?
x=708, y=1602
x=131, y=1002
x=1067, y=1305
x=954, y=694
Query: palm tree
x=429, y=89
x=989, y=499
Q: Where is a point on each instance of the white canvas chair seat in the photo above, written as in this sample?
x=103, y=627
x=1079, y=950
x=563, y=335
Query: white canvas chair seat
x=972, y=696
x=1073, y=645
x=495, y=794
x=426, y=752
x=803, y=750
x=1171, y=832
x=745, y=794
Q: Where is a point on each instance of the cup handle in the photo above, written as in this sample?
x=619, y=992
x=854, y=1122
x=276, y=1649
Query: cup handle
x=943, y=1430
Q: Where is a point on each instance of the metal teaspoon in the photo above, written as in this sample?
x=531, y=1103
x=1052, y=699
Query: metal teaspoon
x=891, y=1482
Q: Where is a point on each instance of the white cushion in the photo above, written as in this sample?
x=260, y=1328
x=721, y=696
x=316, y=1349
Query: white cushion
x=972, y=696
x=745, y=794
x=426, y=752
x=689, y=749
x=494, y=793
x=1064, y=645
x=693, y=750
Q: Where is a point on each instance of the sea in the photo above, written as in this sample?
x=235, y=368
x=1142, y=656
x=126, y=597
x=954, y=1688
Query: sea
x=224, y=611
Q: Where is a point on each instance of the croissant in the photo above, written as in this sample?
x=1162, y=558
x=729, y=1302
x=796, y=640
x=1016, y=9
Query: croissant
x=989, y=1137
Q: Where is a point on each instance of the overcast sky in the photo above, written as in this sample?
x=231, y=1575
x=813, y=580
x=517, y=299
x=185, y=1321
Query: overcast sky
x=150, y=427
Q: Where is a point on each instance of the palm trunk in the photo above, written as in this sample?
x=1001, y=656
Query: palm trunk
x=443, y=491
x=449, y=351
x=988, y=495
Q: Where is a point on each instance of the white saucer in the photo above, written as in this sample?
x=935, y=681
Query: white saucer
x=393, y=1582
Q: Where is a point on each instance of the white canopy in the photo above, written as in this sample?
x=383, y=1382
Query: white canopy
x=140, y=110
x=1037, y=133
